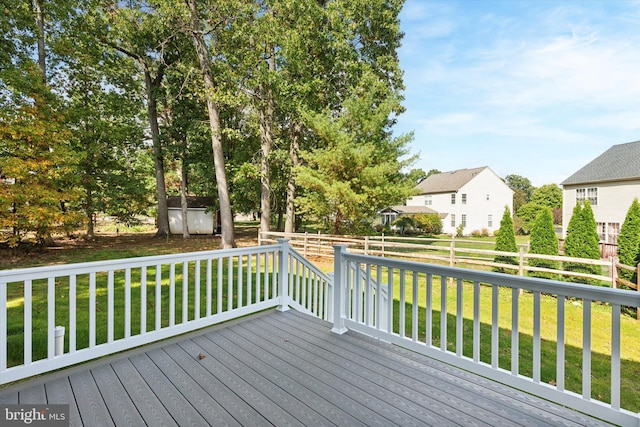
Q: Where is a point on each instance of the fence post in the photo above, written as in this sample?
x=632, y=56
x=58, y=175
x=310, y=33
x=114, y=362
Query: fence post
x=366, y=245
x=306, y=242
x=382, y=245
x=521, y=262
x=283, y=275
x=338, y=289
x=452, y=252
x=613, y=272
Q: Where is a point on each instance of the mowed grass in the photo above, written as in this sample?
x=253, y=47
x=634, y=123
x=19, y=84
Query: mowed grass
x=573, y=334
x=128, y=245
x=226, y=294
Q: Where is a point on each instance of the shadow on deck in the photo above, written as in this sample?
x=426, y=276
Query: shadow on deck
x=282, y=369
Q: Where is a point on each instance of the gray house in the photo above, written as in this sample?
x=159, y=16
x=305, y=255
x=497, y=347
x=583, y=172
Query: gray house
x=610, y=182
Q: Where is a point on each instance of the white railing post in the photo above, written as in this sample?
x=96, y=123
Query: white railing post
x=283, y=275
x=338, y=290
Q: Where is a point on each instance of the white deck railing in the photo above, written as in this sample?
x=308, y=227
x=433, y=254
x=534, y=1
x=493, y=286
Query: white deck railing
x=110, y=306
x=448, y=325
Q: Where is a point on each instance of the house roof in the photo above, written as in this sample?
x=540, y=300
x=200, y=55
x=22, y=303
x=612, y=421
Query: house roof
x=410, y=210
x=620, y=162
x=447, y=182
x=192, y=202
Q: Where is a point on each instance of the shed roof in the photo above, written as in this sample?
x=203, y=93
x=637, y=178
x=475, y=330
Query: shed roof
x=192, y=201
x=448, y=181
x=620, y=162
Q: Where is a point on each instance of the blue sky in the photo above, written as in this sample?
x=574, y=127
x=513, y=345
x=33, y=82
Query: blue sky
x=528, y=87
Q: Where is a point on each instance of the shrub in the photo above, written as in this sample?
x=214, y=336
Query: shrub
x=543, y=241
x=506, y=242
x=429, y=223
x=629, y=241
x=582, y=240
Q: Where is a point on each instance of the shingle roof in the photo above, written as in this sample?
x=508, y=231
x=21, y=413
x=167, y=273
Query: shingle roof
x=412, y=210
x=619, y=162
x=447, y=182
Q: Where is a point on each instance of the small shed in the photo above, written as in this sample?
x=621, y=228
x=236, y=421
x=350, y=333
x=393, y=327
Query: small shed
x=200, y=218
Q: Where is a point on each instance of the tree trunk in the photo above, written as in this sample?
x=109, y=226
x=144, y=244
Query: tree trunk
x=266, y=142
x=183, y=197
x=294, y=150
x=89, y=210
x=158, y=157
x=226, y=217
x=42, y=63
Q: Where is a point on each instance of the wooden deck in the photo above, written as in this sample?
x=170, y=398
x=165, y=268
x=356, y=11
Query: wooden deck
x=282, y=369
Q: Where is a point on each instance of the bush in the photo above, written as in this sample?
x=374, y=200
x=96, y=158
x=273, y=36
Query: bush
x=506, y=242
x=543, y=241
x=582, y=240
x=629, y=241
x=429, y=223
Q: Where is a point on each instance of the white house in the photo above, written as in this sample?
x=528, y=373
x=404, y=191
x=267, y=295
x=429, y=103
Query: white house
x=610, y=182
x=474, y=198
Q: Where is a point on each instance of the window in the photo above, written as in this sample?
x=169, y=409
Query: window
x=487, y=197
x=490, y=221
x=613, y=230
x=608, y=232
x=464, y=220
x=428, y=200
x=602, y=231
x=453, y=220
x=464, y=199
x=453, y=198
x=590, y=194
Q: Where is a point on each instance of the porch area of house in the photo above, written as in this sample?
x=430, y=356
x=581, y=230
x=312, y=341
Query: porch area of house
x=282, y=368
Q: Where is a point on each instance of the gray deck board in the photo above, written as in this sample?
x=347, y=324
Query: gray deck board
x=59, y=392
x=283, y=369
x=446, y=390
x=93, y=410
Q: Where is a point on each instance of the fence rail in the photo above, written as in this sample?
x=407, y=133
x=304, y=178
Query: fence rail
x=444, y=321
x=453, y=252
x=109, y=306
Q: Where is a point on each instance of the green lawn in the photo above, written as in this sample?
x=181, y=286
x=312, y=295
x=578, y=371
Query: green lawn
x=600, y=336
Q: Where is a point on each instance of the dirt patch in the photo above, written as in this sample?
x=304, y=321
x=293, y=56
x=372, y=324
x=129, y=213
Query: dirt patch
x=114, y=246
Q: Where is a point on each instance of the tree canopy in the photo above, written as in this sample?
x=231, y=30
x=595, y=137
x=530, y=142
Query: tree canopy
x=262, y=103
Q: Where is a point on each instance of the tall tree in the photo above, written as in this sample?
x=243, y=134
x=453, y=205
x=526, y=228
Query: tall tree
x=522, y=189
x=359, y=171
x=582, y=239
x=197, y=33
x=146, y=37
x=506, y=242
x=543, y=241
x=629, y=241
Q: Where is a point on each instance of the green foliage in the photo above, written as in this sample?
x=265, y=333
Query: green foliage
x=528, y=214
x=430, y=224
x=358, y=170
x=506, y=242
x=38, y=168
x=517, y=182
x=543, y=241
x=629, y=241
x=582, y=239
x=404, y=223
x=549, y=195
